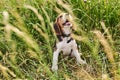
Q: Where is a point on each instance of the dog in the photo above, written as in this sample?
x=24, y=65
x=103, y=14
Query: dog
x=63, y=29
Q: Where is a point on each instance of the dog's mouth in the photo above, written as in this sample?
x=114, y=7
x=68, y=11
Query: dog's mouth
x=66, y=23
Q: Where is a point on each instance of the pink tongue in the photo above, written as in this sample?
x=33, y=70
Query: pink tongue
x=68, y=23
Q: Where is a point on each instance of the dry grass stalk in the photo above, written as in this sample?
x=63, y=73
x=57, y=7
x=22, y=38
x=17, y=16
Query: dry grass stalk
x=107, y=32
x=1, y=54
x=66, y=77
x=36, y=12
x=22, y=35
x=108, y=50
x=66, y=6
x=8, y=28
x=79, y=38
x=5, y=71
x=105, y=77
x=83, y=74
x=40, y=31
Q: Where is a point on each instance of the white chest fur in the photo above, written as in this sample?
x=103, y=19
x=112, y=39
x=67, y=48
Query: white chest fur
x=66, y=47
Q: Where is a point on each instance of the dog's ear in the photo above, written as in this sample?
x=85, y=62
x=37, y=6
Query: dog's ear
x=58, y=30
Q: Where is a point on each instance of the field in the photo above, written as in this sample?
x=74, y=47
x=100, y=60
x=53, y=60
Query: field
x=27, y=39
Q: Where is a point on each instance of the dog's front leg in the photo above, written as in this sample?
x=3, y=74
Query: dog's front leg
x=55, y=60
x=78, y=57
x=77, y=54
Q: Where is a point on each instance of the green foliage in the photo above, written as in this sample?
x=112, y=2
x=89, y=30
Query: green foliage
x=27, y=39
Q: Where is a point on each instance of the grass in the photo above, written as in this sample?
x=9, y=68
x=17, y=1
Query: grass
x=27, y=38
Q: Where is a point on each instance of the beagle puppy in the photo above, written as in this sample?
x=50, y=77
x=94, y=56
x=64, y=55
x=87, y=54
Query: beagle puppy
x=63, y=28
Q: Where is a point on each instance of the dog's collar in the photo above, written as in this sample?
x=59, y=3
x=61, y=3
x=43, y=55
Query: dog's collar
x=66, y=35
x=63, y=36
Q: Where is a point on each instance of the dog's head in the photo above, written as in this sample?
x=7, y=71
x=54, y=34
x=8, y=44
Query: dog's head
x=63, y=24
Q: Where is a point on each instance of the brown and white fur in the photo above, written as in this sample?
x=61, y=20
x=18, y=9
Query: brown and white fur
x=66, y=44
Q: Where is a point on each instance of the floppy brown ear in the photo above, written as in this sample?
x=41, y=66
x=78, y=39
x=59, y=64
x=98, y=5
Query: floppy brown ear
x=58, y=31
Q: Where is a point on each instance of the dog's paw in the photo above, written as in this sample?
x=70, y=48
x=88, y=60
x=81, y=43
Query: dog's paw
x=54, y=68
x=81, y=62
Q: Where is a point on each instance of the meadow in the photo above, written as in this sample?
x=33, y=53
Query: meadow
x=27, y=39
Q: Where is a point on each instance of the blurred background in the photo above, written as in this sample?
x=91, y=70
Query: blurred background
x=27, y=39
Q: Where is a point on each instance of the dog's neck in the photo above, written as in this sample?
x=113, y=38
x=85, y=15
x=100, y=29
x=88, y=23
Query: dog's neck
x=66, y=35
x=67, y=39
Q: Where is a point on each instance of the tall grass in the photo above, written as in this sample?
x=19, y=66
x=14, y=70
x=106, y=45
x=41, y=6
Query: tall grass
x=27, y=38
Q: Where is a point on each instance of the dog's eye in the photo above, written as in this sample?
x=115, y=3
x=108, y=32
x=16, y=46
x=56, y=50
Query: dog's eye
x=61, y=16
